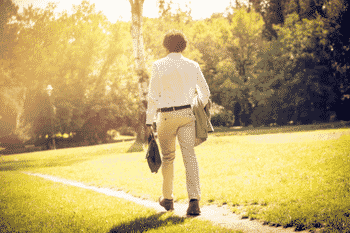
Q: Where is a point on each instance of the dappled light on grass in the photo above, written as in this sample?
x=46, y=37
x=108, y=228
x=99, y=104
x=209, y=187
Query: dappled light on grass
x=137, y=146
x=292, y=137
x=61, y=157
x=294, y=179
x=32, y=204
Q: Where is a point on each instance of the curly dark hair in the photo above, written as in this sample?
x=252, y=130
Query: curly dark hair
x=175, y=41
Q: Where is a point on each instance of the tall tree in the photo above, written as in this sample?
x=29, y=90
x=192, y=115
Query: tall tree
x=8, y=29
x=8, y=85
x=76, y=55
x=333, y=51
x=294, y=82
x=242, y=40
x=87, y=66
x=143, y=79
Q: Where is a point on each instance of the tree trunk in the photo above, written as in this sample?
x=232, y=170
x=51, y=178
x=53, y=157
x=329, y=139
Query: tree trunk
x=136, y=33
x=237, y=113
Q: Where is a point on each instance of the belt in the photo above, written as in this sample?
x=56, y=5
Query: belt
x=174, y=108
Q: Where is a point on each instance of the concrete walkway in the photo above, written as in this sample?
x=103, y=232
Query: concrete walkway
x=218, y=215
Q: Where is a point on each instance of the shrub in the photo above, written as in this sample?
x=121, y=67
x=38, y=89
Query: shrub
x=126, y=131
x=223, y=118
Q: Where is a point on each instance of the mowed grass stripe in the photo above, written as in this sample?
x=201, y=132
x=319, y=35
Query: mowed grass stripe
x=294, y=179
x=31, y=204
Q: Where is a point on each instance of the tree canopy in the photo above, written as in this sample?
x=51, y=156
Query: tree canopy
x=265, y=62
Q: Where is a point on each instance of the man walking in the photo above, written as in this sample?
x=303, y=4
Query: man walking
x=171, y=92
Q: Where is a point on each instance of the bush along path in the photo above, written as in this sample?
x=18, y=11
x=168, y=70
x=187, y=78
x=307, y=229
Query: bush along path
x=217, y=215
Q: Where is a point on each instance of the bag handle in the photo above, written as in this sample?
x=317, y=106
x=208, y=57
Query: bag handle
x=151, y=137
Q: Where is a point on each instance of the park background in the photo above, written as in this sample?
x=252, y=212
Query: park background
x=73, y=74
x=278, y=73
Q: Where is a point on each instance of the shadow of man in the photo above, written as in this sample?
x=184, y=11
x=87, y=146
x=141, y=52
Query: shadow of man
x=148, y=223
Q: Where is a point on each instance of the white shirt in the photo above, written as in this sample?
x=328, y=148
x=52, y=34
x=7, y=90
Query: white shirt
x=173, y=83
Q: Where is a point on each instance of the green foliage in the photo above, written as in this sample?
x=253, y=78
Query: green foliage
x=303, y=39
x=8, y=41
x=334, y=16
x=294, y=71
x=85, y=59
x=128, y=131
x=293, y=82
x=155, y=29
x=7, y=114
x=8, y=32
x=223, y=118
x=230, y=71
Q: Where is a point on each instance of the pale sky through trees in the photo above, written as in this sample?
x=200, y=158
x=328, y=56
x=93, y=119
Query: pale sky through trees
x=116, y=9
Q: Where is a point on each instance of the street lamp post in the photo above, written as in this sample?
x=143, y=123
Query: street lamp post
x=49, y=91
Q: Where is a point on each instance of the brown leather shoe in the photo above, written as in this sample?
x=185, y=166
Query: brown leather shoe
x=193, y=208
x=167, y=203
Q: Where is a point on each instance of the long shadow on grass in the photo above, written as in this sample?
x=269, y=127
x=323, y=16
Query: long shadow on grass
x=145, y=224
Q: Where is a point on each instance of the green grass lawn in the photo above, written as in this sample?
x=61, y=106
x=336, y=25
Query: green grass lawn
x=250, y=130
x=293, y=179
x=32, y=204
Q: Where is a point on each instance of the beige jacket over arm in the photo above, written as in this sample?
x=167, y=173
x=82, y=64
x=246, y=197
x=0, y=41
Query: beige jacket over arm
x=203, y=124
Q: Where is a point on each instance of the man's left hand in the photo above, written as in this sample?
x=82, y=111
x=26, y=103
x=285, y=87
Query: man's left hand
x=149, y=130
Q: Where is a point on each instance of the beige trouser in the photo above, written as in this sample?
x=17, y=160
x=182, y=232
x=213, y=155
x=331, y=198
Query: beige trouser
x=180, y=123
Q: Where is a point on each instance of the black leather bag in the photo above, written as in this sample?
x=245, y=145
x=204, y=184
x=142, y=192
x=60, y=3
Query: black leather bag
x=153, y=155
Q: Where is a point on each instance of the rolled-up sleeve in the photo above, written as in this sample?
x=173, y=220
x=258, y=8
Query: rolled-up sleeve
x=202, y=86
x=153, y=95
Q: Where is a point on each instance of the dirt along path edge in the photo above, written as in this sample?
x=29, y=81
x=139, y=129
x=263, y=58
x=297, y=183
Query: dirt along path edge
x=217, y=215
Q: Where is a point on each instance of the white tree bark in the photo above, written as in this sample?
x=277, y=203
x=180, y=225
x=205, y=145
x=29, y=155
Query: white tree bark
x=136, y=33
